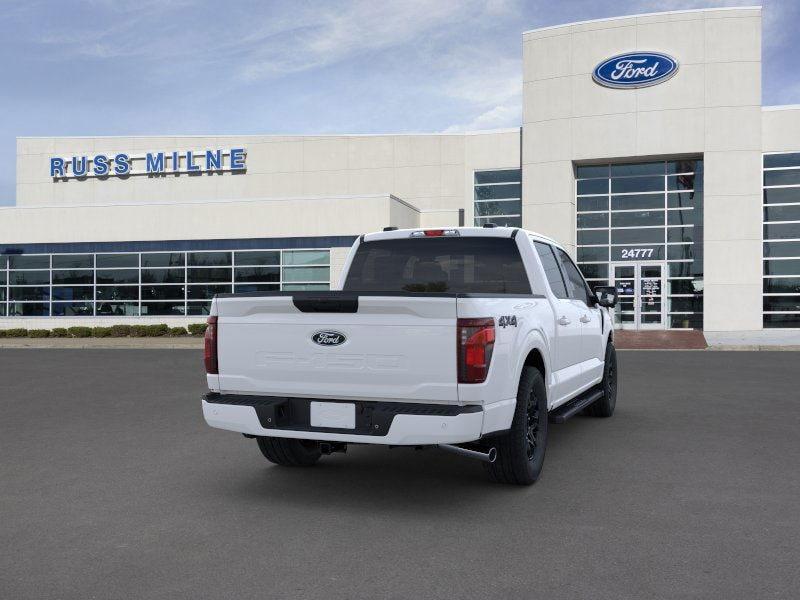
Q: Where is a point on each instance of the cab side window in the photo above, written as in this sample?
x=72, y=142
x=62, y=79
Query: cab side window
x=551, y=269
x=576, y=284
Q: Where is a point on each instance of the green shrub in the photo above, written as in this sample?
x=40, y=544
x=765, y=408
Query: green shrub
x=38, y=333
x=2, y=333
x=120, y=330
x=101, y=332
x=80, y=332
x=138, y=330
x=177, y=331
x=197, y=328
x=157, y=330
x=17, y=332
x=59, y=332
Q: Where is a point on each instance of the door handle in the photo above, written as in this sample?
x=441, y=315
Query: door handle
x=585, y=319
x=564, y=321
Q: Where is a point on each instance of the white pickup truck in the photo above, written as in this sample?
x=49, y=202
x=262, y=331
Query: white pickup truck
x=465, y=338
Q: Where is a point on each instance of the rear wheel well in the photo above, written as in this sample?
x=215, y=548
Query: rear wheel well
x=535, y=359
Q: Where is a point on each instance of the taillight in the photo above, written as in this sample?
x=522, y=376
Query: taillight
x=475, y=345
x=210, y=352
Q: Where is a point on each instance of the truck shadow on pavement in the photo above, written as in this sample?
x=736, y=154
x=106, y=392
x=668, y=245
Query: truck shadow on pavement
x=396, y=479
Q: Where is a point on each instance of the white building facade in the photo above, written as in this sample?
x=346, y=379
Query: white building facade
x=661, y=172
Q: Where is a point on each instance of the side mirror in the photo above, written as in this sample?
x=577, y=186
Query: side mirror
x=606, y=295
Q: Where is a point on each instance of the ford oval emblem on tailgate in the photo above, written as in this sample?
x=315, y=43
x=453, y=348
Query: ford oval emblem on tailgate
x=329, y=338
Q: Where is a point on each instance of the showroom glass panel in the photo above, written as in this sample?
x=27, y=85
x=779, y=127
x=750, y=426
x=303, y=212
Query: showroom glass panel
x=163, y=309
x=28, y=277
x=782, y=231
x=245, y=274
x=31, y=261
x=500, y=176
x=163, y=259
x=306, y=257
x=257, y=258
x=498, y=192
x=592, y=203
x=207, y=292
x=215, y=275
x=591, y=171
x=198, y=308
x=73, y=309
x=638, y=218
x=117, y=292
x=637, y=202
x=782, y=213
x=592, y=186
x=209, y=259
x=637, y=198
x=305, y=287
x=495, y=207
x=488, y=187
x=593, y=220
x=117, y=276
x=782, y=177
x=28, y=309
x=163, y=275
x=781, y=248
x=782, y=267
x=684, y=217
x=249, y=288
x=28, y=293
x=309, y=274
x=163, y=292
x=117, y=261
x=593, y=237
x=73, y=261
x=73, y=277
x=117, y=309
x=73, y=292
x=788, y=195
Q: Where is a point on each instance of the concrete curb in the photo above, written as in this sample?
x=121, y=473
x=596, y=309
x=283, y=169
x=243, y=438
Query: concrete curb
x=176, y=343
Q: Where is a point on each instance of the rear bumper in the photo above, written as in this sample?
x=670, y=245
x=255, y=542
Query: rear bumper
x=391, y=423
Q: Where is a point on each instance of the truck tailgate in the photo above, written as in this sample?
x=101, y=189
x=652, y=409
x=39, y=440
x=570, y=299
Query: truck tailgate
x=391, y=347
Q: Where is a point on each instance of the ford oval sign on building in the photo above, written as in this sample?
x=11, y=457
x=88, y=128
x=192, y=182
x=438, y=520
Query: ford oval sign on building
x=635, y=70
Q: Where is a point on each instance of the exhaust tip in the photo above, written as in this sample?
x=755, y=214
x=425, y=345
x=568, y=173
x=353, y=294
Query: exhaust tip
x=492, y=454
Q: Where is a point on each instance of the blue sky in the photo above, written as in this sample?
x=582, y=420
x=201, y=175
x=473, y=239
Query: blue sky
x=153, y=67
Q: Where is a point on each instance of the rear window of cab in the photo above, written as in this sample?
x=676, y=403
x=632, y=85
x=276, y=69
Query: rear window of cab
x=461, y=265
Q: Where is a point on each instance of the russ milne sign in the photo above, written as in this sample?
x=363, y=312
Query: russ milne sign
x=635, y=70
x=151, y=163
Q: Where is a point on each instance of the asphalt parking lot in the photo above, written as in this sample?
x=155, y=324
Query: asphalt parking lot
x=111, y=486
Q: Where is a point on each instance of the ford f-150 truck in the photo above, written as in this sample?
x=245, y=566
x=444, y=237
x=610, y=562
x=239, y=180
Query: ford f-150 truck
x=466, y=338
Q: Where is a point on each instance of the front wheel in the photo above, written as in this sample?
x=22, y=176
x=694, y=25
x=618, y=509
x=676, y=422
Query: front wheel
x=288, y=452
x=604, y=407
x=520, y=452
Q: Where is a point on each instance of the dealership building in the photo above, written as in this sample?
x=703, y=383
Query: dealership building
x=644, y=150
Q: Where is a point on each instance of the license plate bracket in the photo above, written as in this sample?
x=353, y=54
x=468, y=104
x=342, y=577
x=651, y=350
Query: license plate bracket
x=333, y=415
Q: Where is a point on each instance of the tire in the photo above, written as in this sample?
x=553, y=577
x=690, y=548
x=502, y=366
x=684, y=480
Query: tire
x=520, y=451
x=288, y=452
x=604, y=407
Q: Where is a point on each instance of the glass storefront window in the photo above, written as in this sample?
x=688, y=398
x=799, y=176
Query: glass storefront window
x=648, y=212
x=497, y=198
x=781, y=248
x=150, y=283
